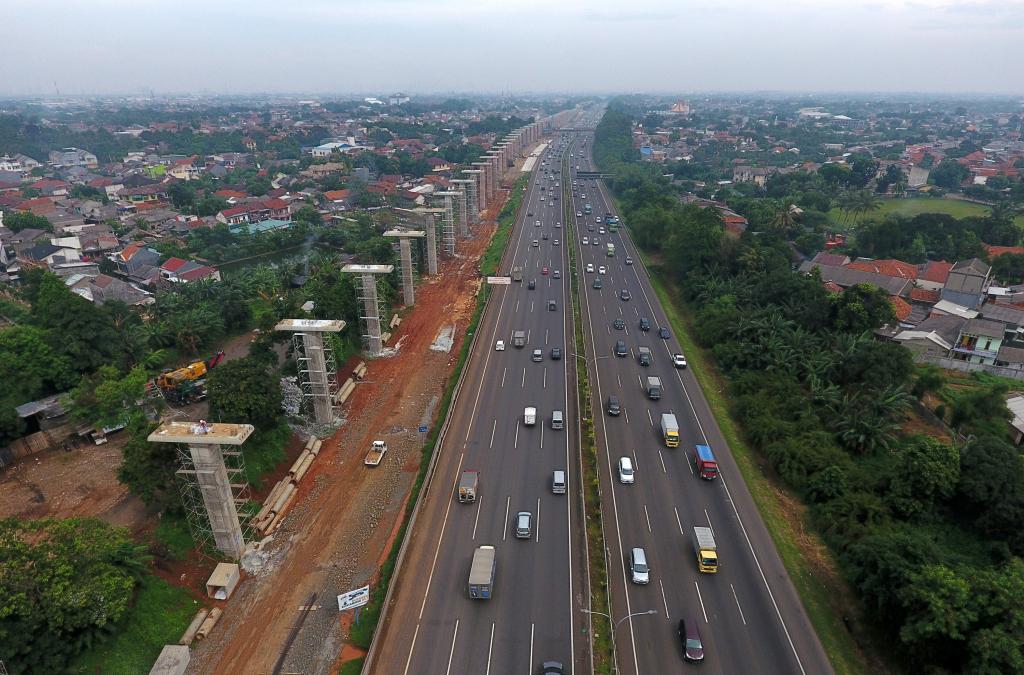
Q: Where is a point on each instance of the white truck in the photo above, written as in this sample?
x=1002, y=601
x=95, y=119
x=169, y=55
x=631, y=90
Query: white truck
x=530, y=416
x=376, y=453
x=481, y=573
x=519, y=338
x=654, y=388
x=704, y=547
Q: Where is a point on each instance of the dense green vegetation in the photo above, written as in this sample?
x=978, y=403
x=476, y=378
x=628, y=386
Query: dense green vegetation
x=921, y=529
x=64, y=586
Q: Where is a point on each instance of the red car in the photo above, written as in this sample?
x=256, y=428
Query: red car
x=543, y=270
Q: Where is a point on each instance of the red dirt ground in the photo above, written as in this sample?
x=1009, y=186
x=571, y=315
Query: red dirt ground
x=257, y=621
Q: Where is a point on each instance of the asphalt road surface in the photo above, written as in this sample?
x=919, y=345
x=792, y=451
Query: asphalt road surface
x=749, y=615
x=433, y=625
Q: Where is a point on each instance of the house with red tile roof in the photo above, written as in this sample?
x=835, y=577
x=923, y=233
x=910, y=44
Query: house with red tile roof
x=177, y=270
x=901, y=307
x=925, y=295
x=889, y=268
x=933, y=274
x=996, y=251
x=255, y=212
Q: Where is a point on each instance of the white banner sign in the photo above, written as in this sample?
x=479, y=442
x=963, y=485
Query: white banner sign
x=499, y=281
x=353, y=599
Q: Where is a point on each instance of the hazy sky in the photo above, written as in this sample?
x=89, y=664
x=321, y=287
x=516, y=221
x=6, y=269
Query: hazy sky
x=379, y=46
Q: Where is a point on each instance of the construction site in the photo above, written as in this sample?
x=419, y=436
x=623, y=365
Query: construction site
x=327, y=519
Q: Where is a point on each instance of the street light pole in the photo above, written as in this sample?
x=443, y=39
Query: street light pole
x=615, y=628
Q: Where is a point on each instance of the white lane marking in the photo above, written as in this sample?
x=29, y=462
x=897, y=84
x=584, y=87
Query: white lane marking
x=531, y=306
x=679, y=522
x=737, y=599
x=545, y=382
x=709, y=522
x=408, y=661
x=542, y=425
x=493, y=429
x=476, y=518
x=648, y=517
x=650, y=417
x=689, y=465
x=504, y=531
x=516, y=311
x=503, y=371
x=451, y=655
x=701, y=600
x=538, y=519
x=746, y=536
x=529, y=331
x=530, y=662
x=490, y=649
x=433, y=564
x=515, y=439
x=664, y=600
x=546, y=332
x=619, y=380
x=640, y=379
x=522, y=383
x=626, y=413
x=662, y=458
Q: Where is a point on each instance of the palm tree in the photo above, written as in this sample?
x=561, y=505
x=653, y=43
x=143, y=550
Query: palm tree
x=865, y=202
x=782, y=219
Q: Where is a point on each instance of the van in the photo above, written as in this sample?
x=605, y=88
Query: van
x=639, y=572
x=613, y=406
x=557, y=421
x=558, y=482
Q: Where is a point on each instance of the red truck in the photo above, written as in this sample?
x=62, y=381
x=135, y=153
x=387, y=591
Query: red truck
x=707, y=467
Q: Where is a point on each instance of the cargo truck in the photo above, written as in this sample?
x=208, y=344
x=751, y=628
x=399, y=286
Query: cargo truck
x=654, y=388
x=707, y=467
x=644, y=355
x=610, y=250
x=530, y=416
x=481, y=573
x=670, y=430
x=517, y=274
x=468, y=484
x=704, y=547
x=519, y=338
x=376, y=453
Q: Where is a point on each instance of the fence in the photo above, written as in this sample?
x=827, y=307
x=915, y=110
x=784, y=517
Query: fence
x=966, y=366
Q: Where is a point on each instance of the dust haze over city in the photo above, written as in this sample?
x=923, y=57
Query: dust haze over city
x=235, y=46
x=560, y=338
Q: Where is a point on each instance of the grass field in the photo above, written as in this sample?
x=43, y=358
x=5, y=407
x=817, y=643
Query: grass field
x=160, y=614
x=913, y=207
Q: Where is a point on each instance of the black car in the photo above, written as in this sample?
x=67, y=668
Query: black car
x=624, y=294
x=618, y=324
x=597, y=283
x=689, y=638
x=532, y=285
x=645, y=324
x=620, y=348
x=552, y=668
x=556, y=353
x=663, y=333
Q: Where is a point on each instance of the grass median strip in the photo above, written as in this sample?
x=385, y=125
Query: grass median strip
x=604, y=660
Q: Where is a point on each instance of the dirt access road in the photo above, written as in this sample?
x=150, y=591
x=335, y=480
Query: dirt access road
x=340, y=530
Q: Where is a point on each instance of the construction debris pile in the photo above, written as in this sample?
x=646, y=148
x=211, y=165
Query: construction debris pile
x=281, y=497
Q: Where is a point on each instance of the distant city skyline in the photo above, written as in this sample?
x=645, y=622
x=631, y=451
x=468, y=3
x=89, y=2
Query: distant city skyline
x=105, y=47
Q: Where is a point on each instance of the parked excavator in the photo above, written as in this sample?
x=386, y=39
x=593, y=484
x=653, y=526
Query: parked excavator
x=185, y=385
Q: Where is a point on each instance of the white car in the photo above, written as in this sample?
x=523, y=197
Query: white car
x=586, y=240
x=625, y=470
x=558, y=226
x=499, y=346
x=678, y=360
x=600, y=230
x=536, y=223
x=579, y=214
x=602, y=270
x=590, y=268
